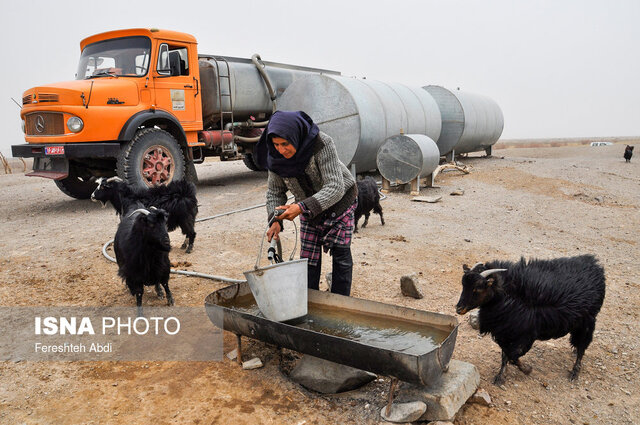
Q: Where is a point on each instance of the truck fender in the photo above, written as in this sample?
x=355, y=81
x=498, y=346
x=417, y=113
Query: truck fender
x=150, y=116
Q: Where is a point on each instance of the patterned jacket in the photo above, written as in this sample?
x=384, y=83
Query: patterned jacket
x=326, y=188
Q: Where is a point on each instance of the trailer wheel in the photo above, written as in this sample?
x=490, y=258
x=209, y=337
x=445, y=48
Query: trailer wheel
x=76, y=186
x=153, y=157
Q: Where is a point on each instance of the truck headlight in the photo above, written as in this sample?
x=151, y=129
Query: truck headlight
x=24, y=127
x=75, y=124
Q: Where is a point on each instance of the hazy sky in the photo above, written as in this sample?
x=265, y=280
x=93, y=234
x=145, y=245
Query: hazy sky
x=556, y=68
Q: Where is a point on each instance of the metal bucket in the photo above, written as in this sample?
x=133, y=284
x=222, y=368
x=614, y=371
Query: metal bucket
x=280, y=289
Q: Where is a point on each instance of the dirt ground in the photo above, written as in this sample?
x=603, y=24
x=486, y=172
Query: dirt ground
x=542, y=202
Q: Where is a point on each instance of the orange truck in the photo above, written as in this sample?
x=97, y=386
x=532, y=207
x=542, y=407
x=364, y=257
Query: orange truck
x=146, y=106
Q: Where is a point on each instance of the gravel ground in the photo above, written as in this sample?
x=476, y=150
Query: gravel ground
x=532, y=202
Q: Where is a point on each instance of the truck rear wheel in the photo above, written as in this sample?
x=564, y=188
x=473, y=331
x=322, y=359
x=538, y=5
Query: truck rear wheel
x=250, y=163
x=153, y=157
x=76, y=186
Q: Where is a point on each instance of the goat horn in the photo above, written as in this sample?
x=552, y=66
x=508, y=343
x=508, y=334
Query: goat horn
x=476, y=265
x=140, y=210
x=486, y=273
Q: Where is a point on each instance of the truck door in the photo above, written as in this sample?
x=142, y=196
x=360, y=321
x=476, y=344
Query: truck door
x=175, y=87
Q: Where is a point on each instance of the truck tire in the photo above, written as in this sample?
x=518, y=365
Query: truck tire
x=250, y=163
x=190, y=172
x=76, y=186
x=153, y=157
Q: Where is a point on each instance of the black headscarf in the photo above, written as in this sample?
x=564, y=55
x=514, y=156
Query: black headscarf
x=297, y=128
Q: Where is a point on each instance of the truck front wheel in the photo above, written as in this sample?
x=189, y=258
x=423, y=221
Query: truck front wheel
x=153, y=157
x=76, y=185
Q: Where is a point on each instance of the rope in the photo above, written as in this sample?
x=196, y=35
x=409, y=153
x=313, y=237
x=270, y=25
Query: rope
x=197, y=274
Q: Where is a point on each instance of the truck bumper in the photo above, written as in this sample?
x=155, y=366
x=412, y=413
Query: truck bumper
x=69, y=150
x=51, y=161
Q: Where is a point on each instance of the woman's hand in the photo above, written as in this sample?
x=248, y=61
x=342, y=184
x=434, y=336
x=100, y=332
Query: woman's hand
x=291, y=211
x=274, y=231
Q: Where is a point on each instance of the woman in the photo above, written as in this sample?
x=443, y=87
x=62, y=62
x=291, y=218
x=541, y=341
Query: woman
x=302, y=159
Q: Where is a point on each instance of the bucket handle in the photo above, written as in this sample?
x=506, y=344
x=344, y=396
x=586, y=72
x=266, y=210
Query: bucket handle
x=262, y=243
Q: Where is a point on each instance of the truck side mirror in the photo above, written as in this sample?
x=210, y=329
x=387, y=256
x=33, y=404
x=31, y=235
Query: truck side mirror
x=163, y=60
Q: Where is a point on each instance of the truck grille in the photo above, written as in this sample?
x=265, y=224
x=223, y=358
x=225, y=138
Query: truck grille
x=48, y=97
x=44, y=124
x=40, y=98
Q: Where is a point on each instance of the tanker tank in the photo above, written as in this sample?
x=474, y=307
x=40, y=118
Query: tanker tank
x=470, y=122
x=404, y=157
x=241, y=83
x=361, y=114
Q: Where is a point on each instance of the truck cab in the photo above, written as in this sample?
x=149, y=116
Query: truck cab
x=134, y=109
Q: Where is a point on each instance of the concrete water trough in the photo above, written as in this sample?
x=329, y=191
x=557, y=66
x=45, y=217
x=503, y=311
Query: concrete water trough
x=411, y=345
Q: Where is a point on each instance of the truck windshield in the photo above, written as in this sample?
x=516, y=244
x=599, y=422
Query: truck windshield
x=119, y=57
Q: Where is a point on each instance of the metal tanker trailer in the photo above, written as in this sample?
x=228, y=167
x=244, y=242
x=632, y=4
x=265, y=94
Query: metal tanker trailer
x=240, y=94
x=245, y=86
x=361, y=114
x=470, y=122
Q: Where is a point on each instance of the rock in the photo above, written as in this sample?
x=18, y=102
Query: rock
x=474, y=319
x=457, y=192
x=327, y=377
x=481, y=397
x=404, y=412
x=233, y=354
x=445, y=397
x=408, y=286
x=441, y=423
x=254, y=363
x=429, y=199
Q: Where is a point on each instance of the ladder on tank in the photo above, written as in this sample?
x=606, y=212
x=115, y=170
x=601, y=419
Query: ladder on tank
x=225, y=147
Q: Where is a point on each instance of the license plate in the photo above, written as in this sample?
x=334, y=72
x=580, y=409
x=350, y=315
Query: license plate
x=54, y=150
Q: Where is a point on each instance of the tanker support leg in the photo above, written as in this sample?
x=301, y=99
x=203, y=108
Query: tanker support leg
x=392, y=389
x=415, y=186
x=386, y=186
x=239, y=346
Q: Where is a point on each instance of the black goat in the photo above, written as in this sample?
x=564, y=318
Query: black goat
x=628, y=153
x=368, y=199
x=178, y=199
x=142, y=250
x=543, y=299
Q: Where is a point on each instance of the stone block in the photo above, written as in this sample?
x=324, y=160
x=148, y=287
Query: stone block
x=481, y=397
x=474, y=319
x=444, y=399
x=404, y=412
x=409, y=286
x=254, y=363
x=327, y=377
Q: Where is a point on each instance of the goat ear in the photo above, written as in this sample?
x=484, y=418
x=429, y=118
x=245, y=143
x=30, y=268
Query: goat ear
x=465, y=268
x=491, y=280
